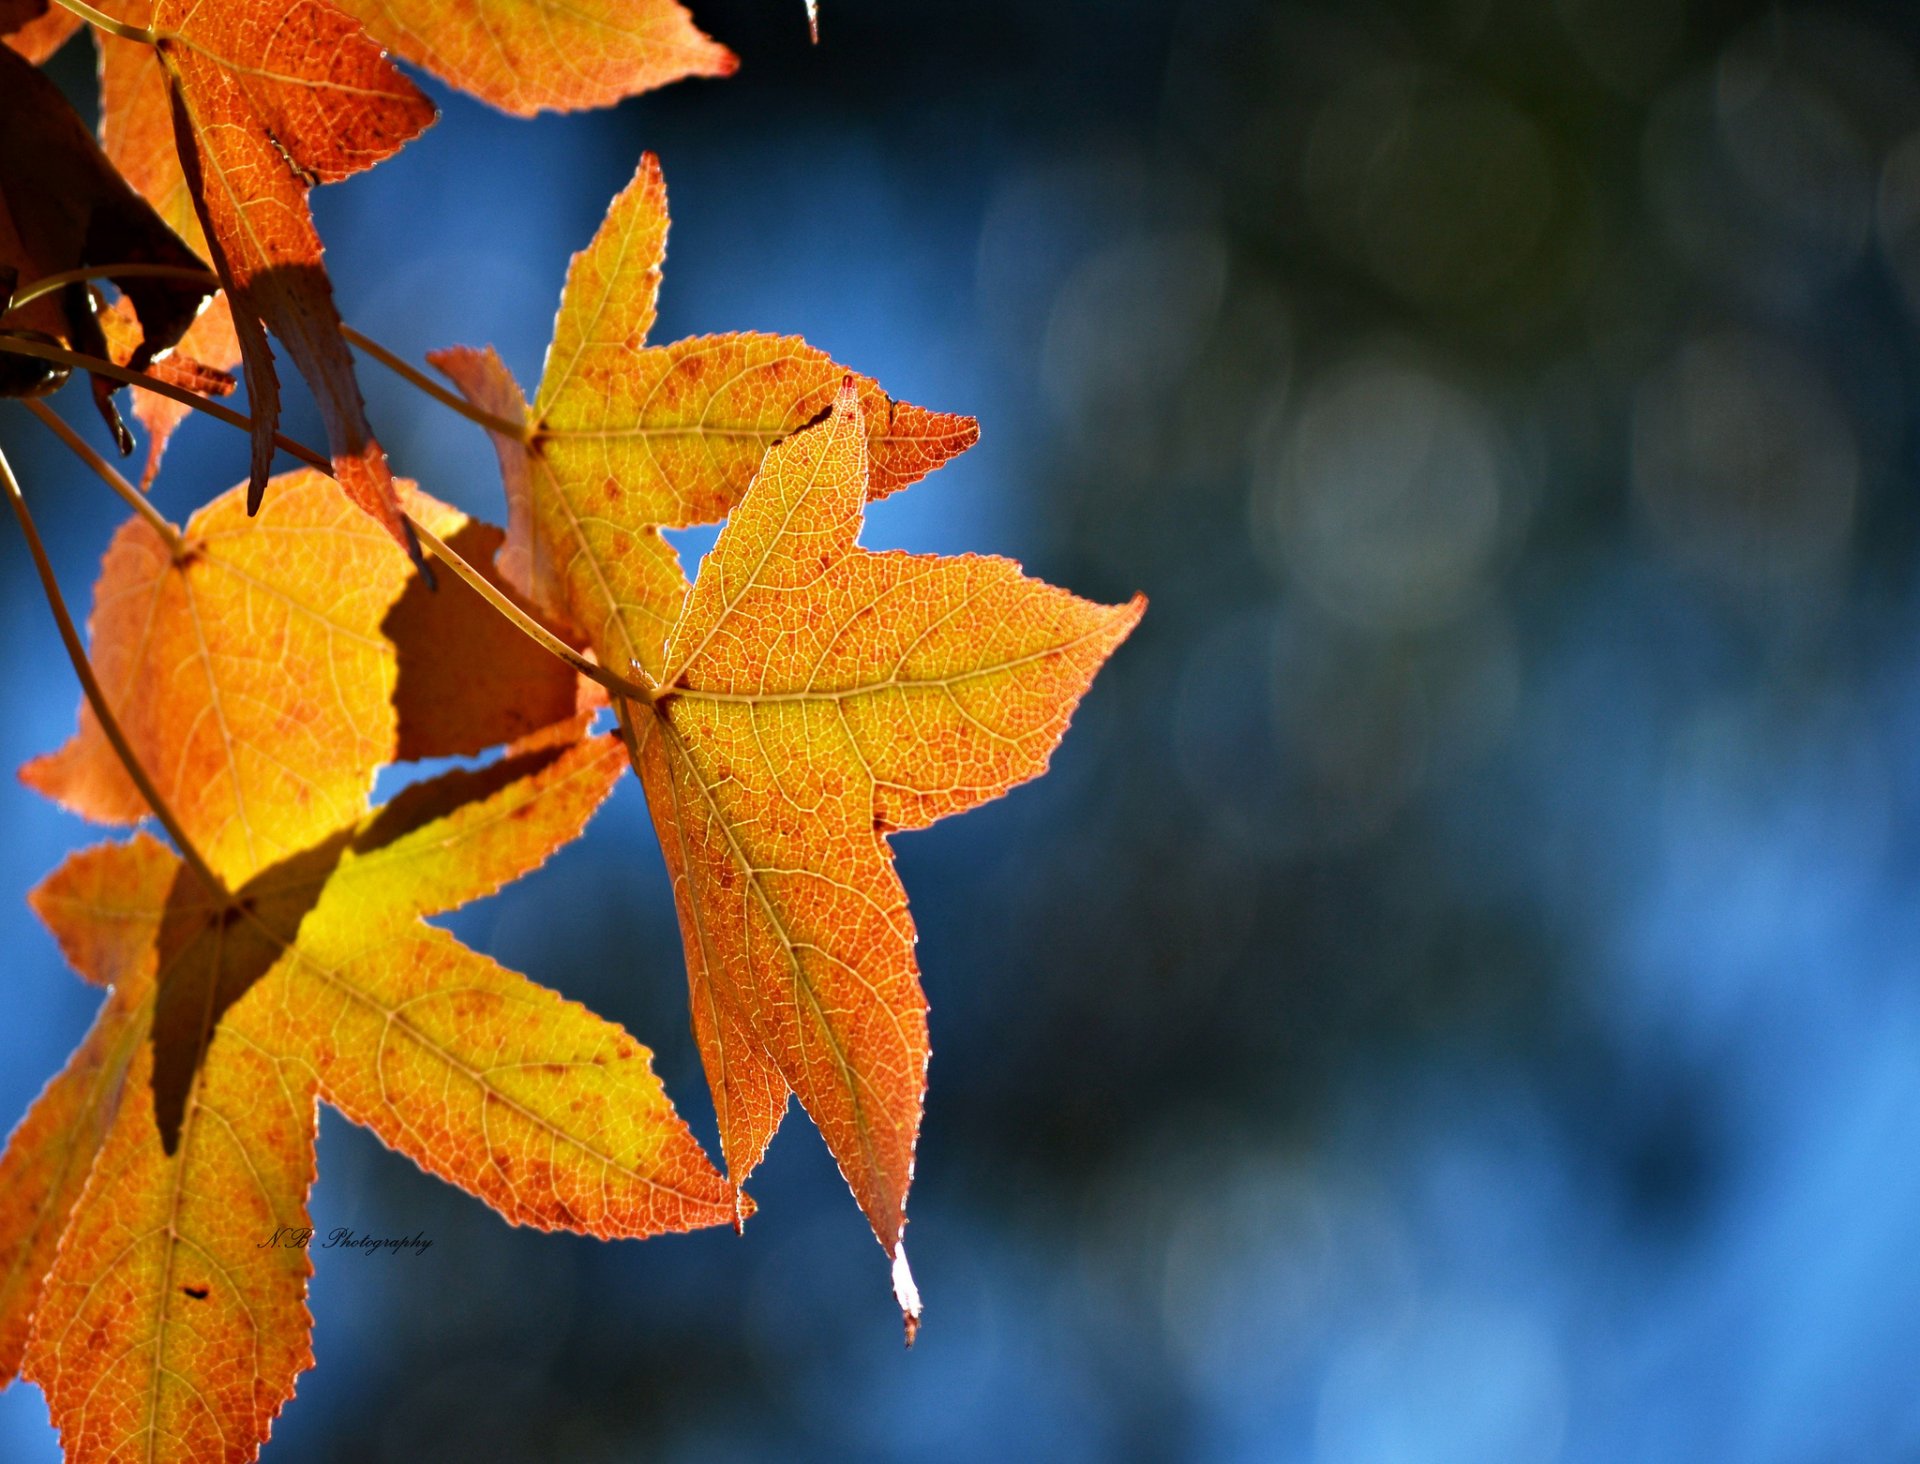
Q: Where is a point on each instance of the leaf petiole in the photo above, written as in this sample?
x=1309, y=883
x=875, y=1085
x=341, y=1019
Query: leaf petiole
x=102, y=21
x=90, y=685
x=47, y=284
x=525, y=623
x=14, y=345
x=420, y=381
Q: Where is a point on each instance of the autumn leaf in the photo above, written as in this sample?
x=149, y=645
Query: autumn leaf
x=527, y=55
x=624, y=438
x=819, y=697
x=64, y=208
x=263, y=101
x=164, y=1316
x=135, y=1197
x=258, y=677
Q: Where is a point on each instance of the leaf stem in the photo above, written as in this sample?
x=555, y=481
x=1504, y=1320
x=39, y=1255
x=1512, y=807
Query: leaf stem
x=96, y=698
x=132, y=496
x=108, y=24
x=419, y=380
x=488, y=591
x=525, y=623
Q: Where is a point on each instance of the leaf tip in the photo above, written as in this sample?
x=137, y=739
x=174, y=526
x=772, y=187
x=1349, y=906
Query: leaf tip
x=906, y=1293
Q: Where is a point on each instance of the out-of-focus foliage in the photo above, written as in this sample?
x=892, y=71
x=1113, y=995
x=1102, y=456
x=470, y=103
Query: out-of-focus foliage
x=1463, y=959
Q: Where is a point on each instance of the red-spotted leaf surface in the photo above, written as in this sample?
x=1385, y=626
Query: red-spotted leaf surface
x=262, y=102
x=528, y=55
x=625, y=438
x=818, y=697
x=136, y=1195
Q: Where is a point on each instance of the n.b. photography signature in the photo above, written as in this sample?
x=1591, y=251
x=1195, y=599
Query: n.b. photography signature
x=300, y=1237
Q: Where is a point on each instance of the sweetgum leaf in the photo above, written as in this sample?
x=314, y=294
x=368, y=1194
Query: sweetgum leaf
x=265, y=674
x=164, y=1319
x=819, y=697
x=814, y=697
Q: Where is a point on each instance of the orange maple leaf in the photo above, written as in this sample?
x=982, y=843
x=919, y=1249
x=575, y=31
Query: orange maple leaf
x=136, y=1196
x=818, y=697
x=261, y=102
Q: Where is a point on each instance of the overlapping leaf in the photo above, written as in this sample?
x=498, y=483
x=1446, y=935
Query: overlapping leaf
x=136, y=1197
x=262, y=102
x=625, y=439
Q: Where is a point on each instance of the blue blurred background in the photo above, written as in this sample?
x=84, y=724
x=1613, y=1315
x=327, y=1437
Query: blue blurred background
x=1457, y=996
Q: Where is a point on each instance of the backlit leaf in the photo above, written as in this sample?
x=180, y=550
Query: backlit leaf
x=625, y=438
x=265, y=674
x=818, y=697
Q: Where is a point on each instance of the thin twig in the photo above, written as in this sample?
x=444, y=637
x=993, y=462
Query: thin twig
x=483, y=587
x=15, y=346
x=134, y=498
x=96, y=698
x=388, y=358
x=419, y=379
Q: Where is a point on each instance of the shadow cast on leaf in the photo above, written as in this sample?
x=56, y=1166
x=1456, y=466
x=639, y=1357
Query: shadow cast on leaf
x=213, y=949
